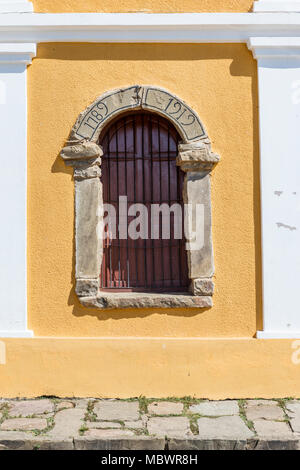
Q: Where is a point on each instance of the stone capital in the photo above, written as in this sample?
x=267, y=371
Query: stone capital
x=85, y=157
x=196, y=156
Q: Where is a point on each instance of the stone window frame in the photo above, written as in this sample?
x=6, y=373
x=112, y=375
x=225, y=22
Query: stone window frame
x=195, y=158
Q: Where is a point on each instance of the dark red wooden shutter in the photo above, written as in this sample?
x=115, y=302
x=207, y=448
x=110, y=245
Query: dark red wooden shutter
x=139, y=162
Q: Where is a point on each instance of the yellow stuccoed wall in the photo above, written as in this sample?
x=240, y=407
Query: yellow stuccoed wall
x=151, y=6
x=219, y=82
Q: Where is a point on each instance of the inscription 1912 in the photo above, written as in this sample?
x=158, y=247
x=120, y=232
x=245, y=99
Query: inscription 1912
x=175, y=110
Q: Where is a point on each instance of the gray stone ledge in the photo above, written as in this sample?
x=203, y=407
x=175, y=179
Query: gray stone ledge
x=106, y=300
x=136, y=443
x=23, y=441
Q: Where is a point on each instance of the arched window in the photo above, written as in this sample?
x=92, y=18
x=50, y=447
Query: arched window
x=139, y=165
x=147, y=146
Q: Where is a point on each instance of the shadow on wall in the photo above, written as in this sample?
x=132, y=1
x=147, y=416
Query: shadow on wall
x=176, y=52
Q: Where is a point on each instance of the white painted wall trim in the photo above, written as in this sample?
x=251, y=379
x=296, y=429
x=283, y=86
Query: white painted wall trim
x=14, y=59
x=20, y=6
x=279, y=118
x=276, y=6
x=142, y=27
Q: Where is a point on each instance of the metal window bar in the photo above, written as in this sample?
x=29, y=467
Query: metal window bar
x=138, y=150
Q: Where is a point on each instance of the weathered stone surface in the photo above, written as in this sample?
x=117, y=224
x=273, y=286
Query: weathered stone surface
x=295, y=424
x=264, y=411
x=82, y=403
x=231, y=427
x=81, y=151
x=15, y=440
x=134, y=443
x=195, y=443
x=63, y=405
x=261, y=402
x=183, y=117
x=262, y=443
x=117, y=410
x=23, y=424
x=165, y=408
x=196, y=156
x=268, y=428
x=102, y=425
x=87, y=287
x=293, y=408
x=134, y=424
x=30, y=407
x=67, y=423
x=196, y=192
x=91, y=122
x=108, y=433
x=92, y=171
x=170, y=427
x=88, y=224
x=202, y=286
x=216, y=408
x=133, y=300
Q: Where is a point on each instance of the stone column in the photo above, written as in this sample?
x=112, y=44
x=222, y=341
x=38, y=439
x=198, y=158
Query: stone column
x=197, y=160
x=85, y=158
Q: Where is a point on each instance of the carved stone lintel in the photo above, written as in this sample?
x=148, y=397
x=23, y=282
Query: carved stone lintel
x=196, y=156
x=202, y=286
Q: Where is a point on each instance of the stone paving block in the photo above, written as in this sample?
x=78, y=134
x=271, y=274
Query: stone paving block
x=117, y=410
x=206, y=444
x=216, y=408
x=295, y=424
x=62, y=405
x=261, y=402
x=134, y=424
x=268, y=428
x=30, y=407
x=292, y=408
x=225, y=427
x=82, y=403
x=23, y=424
x=165, y=408
x=108, y=433
x=264, y=411
x=136, y=443
x=67, y=423
x=102, y=425
x=170, y=427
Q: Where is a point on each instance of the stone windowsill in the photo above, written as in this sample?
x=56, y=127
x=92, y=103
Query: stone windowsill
x=107, y=300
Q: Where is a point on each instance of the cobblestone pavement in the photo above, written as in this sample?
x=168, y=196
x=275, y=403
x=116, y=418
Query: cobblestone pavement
x=151, y=424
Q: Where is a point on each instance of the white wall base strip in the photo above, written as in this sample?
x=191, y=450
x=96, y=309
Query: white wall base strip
x=16, y=334
x=278, y=335
x=16, y=6
x=276, y=6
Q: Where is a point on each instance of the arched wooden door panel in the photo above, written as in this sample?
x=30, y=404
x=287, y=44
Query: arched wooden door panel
x=139, y=162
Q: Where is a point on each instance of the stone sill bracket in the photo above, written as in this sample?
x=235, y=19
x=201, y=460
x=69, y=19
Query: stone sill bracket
x=195, y=158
